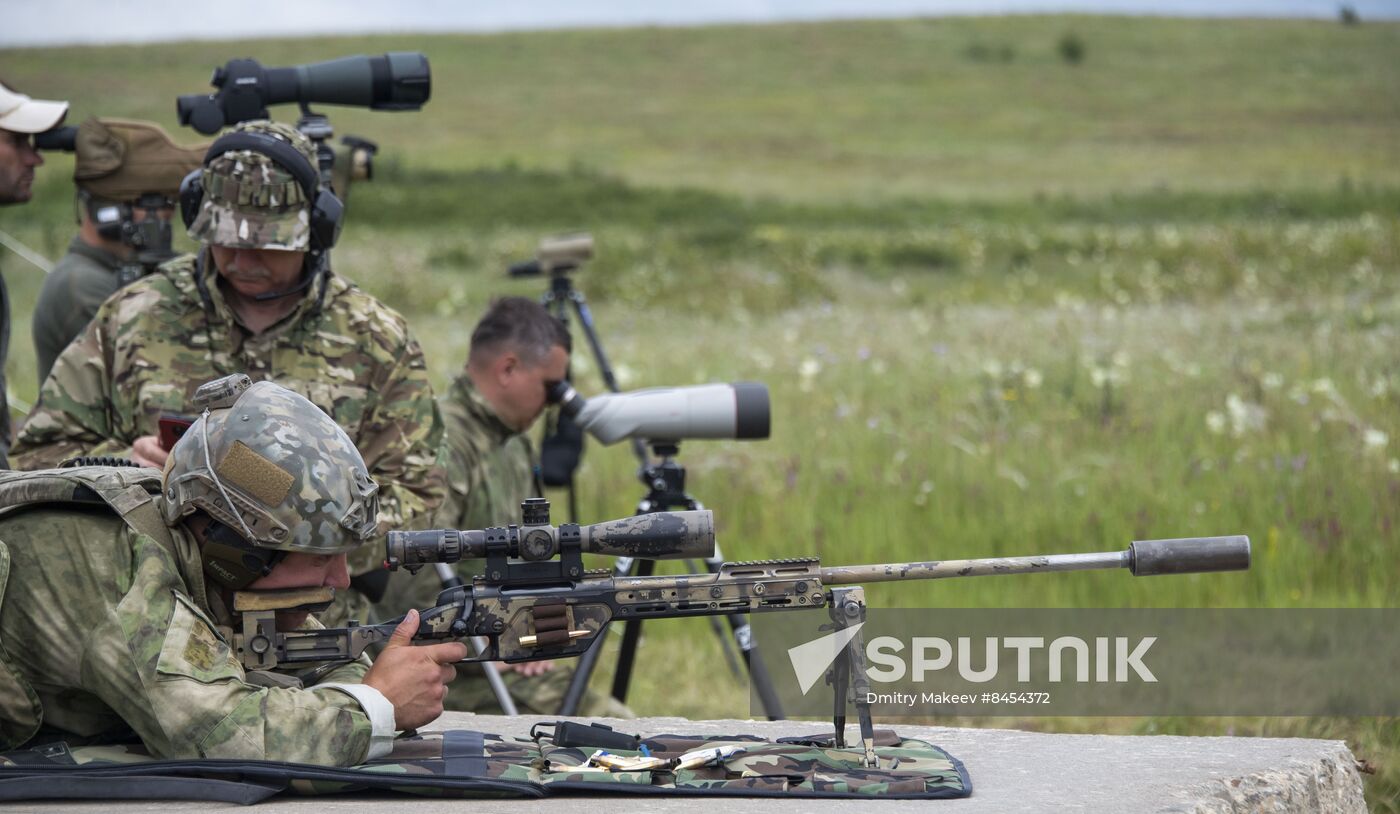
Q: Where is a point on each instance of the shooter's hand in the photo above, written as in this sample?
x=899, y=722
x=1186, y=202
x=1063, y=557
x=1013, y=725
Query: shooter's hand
x=147, y=451
x=414, y=679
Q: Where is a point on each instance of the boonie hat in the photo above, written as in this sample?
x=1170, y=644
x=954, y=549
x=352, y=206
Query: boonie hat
x=253, y=202
x=120, y=160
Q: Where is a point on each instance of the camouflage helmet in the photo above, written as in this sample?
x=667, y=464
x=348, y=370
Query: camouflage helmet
x=295, y=478
x=251, y=201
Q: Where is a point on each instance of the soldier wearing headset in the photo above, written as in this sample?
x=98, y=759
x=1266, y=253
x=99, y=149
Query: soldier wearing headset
x=260, y=298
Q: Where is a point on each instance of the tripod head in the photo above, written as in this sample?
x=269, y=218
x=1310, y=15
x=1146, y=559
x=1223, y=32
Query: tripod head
x=664, y=479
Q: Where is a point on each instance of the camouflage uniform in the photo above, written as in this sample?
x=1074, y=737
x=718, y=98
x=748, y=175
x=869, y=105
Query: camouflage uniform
x=490, y=470
x=115, y=619
x=489, y=466
x=116, y=634
x=80, y=281
x=156, y=340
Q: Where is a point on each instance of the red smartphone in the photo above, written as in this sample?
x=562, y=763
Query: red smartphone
x=171, y=427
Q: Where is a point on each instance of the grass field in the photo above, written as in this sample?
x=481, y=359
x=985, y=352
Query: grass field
x=1005, y=304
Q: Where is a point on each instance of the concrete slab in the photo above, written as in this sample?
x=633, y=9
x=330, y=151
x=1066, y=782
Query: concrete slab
x=1011, y=772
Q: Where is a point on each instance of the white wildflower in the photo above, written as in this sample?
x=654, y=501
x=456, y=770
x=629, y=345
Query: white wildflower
x=1244, y=416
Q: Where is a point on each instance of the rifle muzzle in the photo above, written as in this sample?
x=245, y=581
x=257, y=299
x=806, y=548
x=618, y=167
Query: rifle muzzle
x=1189, y=555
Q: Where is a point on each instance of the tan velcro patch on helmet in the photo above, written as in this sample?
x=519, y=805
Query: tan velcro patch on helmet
x=255, y=475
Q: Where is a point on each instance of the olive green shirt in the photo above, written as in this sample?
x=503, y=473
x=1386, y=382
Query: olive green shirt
x=80, y=281
x=490, y=467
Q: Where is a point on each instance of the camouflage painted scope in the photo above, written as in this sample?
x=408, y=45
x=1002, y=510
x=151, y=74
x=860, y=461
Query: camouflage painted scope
x=655, y=536
x=393, y=81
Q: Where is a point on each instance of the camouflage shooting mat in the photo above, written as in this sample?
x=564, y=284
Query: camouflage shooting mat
x=461, y=763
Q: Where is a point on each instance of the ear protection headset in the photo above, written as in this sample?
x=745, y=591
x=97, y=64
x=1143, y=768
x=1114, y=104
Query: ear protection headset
x=232, y=561
x=327, y=212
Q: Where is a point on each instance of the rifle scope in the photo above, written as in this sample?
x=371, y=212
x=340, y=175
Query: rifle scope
x=394, y=81
x=654, y=536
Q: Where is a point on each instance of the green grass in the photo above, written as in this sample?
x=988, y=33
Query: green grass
x=1004, y=304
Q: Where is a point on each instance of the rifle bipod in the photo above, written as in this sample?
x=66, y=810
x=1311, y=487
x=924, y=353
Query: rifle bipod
x=846, y=675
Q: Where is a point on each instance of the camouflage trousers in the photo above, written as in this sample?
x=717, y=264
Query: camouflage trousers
x=535, y=695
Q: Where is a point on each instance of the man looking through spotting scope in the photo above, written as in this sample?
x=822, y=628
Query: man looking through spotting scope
x=259, y=297
x=120, y=616
x=20, y=118
x=518, y=352
x=128, y=178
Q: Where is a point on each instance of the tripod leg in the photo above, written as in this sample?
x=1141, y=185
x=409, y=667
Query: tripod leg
x=758, y=670
x=583, y=670
x=631, y=635
x=493, y=677
x=717, y=627
x=585, y=318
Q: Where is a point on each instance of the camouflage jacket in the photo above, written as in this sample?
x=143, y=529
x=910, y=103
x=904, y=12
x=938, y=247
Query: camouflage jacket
x=78, y=284
x=158, y=339
x=489, y=466
x=114, y=633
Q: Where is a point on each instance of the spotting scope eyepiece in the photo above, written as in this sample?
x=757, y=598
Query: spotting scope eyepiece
x=59, y=139
x=739, y=410
x=655, y=536
x=394, y=81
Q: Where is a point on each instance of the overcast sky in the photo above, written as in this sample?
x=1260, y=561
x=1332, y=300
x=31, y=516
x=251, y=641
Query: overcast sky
x=54, y=22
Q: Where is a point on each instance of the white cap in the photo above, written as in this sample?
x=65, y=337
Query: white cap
x=20, y=114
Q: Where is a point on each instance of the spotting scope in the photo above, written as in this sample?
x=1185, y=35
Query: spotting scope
x=738, y=410
x=394, y=81
x=556, y=255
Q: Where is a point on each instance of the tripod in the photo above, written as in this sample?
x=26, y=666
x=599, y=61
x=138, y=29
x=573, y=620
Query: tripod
x=664, y=479
x=665, y=482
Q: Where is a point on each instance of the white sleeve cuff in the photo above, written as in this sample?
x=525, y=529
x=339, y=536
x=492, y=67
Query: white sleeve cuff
x=380, y=711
